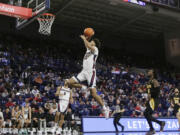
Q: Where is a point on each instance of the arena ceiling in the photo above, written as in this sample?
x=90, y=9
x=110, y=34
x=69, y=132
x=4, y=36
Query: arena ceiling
x=109, y=17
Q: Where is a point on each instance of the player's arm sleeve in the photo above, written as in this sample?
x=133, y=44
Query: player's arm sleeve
x=113, y=113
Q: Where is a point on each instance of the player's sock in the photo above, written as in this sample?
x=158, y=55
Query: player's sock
x=106, y=112
x=84, y=87
x=56, y=125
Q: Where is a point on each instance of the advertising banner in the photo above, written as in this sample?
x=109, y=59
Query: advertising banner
x=92, y=124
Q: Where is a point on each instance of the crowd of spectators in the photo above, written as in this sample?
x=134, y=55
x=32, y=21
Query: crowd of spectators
x=31, y=73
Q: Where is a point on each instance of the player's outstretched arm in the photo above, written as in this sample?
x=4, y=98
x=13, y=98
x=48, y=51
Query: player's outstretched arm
x=87, y=43
x=71, y=98
x=58, y=91
x=156, y=83
x=113, y=113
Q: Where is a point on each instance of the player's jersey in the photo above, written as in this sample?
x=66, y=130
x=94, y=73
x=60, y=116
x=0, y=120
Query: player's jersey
x=154, y=92
x=89, y=61
x=65, y=94
x=117, y=109
x=175, y=99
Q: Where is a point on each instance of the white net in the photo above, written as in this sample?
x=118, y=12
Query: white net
x=45, y=21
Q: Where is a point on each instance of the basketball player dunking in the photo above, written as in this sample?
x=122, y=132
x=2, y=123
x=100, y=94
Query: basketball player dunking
x=88, y=72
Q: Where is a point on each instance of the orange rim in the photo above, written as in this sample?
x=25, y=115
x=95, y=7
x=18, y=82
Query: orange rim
x=46, y=14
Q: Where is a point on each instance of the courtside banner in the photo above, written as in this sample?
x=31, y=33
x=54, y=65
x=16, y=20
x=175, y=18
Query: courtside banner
x=15, y=11
x=98, y=124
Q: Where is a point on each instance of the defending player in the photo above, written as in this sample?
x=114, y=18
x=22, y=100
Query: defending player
x=65, y=96
x=152, y=104
x=88, y=72
x=175, y=102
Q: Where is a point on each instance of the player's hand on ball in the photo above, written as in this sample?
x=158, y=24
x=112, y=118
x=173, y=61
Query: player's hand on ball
x=83, y=37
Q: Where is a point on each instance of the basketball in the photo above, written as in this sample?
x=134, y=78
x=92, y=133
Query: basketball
x=89, y=32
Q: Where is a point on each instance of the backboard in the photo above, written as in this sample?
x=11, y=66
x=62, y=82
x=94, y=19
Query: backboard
x=38, y=7
x=26, y=11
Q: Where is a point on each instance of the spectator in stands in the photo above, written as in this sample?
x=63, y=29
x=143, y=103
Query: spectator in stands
x=34, y=118
x=40, y=115
x=10, y=104
x=16, y=117
x=69, y=118
x=1, y=119
x=7, y=118
x=35, y=91
x=47, y=106
x=38, y=98
x=34, y=105
x=26, y=113
x=5, y=94
x=50, y=119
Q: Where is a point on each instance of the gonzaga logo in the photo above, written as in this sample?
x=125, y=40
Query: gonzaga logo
x=7, y=9
x=143, y=125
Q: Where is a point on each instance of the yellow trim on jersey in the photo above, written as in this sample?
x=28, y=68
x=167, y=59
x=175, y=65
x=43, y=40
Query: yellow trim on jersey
x=149, y=86
x=176, y=100
x=179, y=110
x=152, y=104
x=148, y=89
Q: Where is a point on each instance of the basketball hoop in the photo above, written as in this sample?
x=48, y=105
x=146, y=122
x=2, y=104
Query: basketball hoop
x=45, y=21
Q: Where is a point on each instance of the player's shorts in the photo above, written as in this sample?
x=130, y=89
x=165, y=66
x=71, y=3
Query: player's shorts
x=63, y=106
x=89, y=76
x=176, y=110
x=54, y=111
x=152, y=105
